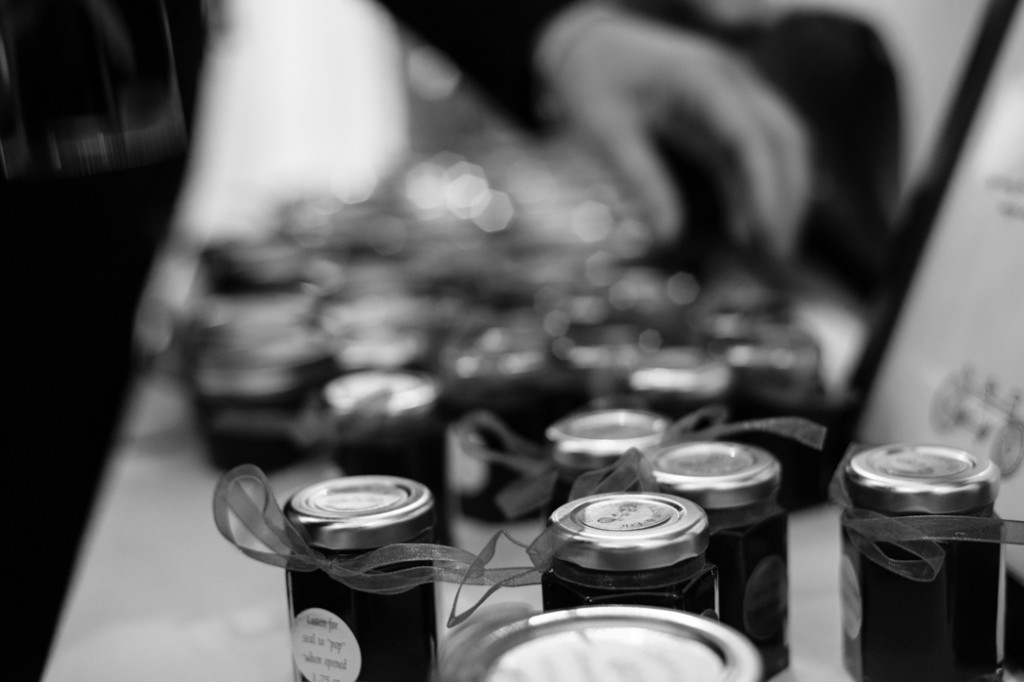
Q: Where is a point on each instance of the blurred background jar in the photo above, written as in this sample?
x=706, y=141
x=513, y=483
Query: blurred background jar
x=503, y=365
x=588, y=440
x=254, y=365
x=386, y=422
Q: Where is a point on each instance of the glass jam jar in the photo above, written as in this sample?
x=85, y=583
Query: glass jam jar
x=619, y=643
x=594, y=439
x=780, y=356
x=736, y=485
x=341, y=633
x=630, y=548
x=508, y=370
x=677, y=380
x=950, y=628
x=386, y=422
x=253, y=369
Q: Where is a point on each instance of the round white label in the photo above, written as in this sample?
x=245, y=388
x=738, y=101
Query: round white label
x=766, y=598
x=324, y=647
x=624, y=516
x=467, y=474
x=850, y=590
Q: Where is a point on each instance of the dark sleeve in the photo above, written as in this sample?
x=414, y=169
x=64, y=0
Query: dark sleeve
x=491, y=41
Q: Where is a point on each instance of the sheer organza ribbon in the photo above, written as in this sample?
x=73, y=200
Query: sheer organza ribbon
x=538, y=473
x=248, y=515
x=919, y=535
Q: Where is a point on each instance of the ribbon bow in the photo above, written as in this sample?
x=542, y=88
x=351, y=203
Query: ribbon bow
x=247, y=515
x=539, y=474
x=919, y=535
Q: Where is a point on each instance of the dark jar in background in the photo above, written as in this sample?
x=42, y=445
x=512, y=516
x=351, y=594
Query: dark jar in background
x=386, y=422
x=341, y=633
x=594, y=439
x=618, y=643
x=737, y=485
x=506, y=369
x=777, y=371
x=779, y=356
x=505, y=365
x=265, y=263
x=949, y=629
x=677, y=380
x=254, y=368
x=630, y=548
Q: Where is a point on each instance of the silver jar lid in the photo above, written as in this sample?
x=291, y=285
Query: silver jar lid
x=924, y=479
x=617, y=643
x=498, y=351
x=596, y=438
x=380, y=393
x=772, y=346
x=718, y=474
x=362, y=512
x=682, y=370
x=628, y=531
x=606, y=345
x=264, y=364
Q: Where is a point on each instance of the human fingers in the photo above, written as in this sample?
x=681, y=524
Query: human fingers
x=625, y=141
x=754, y=146
x=774, y=167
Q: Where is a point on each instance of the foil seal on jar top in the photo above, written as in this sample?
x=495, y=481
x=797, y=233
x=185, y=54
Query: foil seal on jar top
x=595, y=438
x=718, y=474
x=684, y=370
x=362, y=512
x=376, y=393
x=920, y=478
x=628, y=531
x=608, y=644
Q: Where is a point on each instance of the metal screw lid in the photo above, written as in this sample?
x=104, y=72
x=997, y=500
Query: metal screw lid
x=776, y=346
x=362, y=512
x=628, y=531
x=718, y=474
x=596, y=438
x=499, y=351
x=380, y=393
x=682, y=370
x=617, y=643
x=920, y=478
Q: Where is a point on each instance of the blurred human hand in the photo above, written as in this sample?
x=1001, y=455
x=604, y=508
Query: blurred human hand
x=627, y=82
x=719, y=13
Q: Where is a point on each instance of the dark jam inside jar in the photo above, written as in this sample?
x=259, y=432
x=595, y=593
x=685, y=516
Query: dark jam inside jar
x=753, y=580
x=946, y=630
x=340, y=634
x=690, y=585
x=946, y=625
